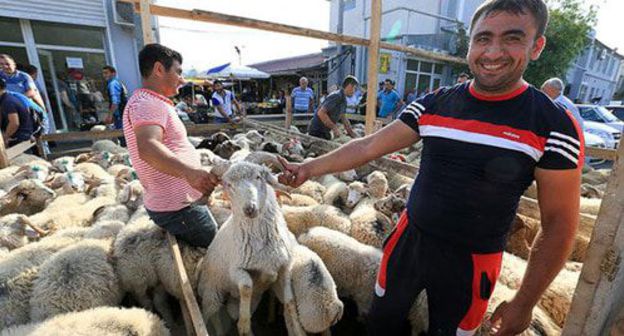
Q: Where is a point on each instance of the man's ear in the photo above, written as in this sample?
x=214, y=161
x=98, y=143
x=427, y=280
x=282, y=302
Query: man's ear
x=538, y=47
x=159, y=69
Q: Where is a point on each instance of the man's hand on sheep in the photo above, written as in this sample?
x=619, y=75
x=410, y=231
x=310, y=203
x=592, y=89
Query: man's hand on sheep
x=202, y=180
x=294, y=175
x=511, y=318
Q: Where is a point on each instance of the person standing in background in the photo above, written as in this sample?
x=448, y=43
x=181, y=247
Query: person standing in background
x=553, y=88
x=389, y=99
x=222, y=101
x=462, y=78
x=16, y=121
x=302, y=98
x=18, y=81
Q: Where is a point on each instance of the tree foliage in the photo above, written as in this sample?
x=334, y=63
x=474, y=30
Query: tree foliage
x=566, y=37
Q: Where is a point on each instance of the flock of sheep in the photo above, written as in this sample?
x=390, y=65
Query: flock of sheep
x=76, y=244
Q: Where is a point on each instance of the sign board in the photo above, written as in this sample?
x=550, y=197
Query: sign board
x=74, y=63
x=384, y=63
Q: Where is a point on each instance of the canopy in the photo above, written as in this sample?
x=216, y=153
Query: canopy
x=233, y=72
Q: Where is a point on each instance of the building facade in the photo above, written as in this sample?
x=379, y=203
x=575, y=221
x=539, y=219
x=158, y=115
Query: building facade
x=593, y=76
x=70, y=42
x=428, y=24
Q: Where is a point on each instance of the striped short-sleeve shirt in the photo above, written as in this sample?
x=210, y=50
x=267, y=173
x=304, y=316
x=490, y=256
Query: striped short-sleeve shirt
x=479, y=155
x=163, y=192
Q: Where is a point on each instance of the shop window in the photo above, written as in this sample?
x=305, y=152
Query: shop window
x=410, y=81
x=426, y=67
x=423, y=84
x=10, y=30
x=412, y=65
x=438, y=68
x=67, y=35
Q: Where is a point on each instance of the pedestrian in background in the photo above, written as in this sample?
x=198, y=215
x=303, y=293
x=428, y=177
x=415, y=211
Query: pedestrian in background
x=16, y=122
x=18, y=81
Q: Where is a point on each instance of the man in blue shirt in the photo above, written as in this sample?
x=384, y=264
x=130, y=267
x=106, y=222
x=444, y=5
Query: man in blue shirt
x=222, y=101
x=389, y=99
x=15, y=119
x=117, y=97
x=553, y=88
x=302, y=97
x=18, y=81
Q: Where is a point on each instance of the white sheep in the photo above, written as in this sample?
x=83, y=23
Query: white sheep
x=78, y=277
x=107, y=146
x=300, y=219
x=298, y=200
x=131, y=194
x=368, y=225
x=316, y=298
x=15, y=231
x=63, y=164
x=353, y=265
x=144, y=262
x=312, y=189
x=15, y=293
x=377, y=184
x=336, y=194
x=590, y=206
x=250, y=250
x=91, y=169
x=101, y=321
x=67, y=183
x=356, y=191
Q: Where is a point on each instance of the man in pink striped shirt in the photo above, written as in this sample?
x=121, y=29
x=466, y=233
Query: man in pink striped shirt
x=167, y=164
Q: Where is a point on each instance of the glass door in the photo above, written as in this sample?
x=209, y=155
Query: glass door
x=53, y=88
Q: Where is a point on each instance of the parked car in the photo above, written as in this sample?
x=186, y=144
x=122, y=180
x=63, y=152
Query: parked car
x=600, y=114
x=592, y=140
x=608, y=134
x=616, y=110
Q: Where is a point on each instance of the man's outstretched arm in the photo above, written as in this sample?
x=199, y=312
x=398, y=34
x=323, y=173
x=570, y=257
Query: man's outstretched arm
x=391, y=138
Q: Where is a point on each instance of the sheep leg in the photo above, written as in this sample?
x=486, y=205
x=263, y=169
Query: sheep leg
x=162, y=306
x=245, y=291
x=143, y=299
x=283, y=291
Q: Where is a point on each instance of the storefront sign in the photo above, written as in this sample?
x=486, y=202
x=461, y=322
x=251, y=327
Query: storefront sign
x=74, y=63
x=384, y=63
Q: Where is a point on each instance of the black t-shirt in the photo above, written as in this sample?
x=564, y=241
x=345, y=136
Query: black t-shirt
x=479, y=156
x=336, y=105
x=10, y=104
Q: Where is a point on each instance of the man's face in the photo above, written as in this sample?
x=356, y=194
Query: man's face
x=171, y=79
x=501, y=46
x=550, y=91
x=7, y=65
x=303, y=83
x=107, y=74
x=388, y=86
x=218, y=87
x=350, y=90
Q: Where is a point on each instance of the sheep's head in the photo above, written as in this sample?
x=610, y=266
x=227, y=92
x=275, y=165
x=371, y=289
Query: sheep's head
x=209, y=144
x=84, y=157
x=131, y=195
x=28, y=194
x=356, y=191
x=255, y=137
x=63, y=164
x=121, y=158
x=227, y=148
x=70, y=182
x=348, y=175
x=127, y=174
x=249, y=186
x=207, y=157
x=271, y=147
x=390, y=205
x=294, y=146
x=102, y=158
x=15, y=230
x=220, y=137
x=32, y=171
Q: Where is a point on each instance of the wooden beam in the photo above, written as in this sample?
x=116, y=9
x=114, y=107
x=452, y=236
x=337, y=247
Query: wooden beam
x=187, y=291
x=602, y=153
x=373, y=66
x=146, y=22
x=18, y=149
x=4, y=158
x=592, y=300
x=238, y=21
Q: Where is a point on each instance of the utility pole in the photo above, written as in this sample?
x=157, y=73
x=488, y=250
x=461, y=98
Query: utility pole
x=339, y=49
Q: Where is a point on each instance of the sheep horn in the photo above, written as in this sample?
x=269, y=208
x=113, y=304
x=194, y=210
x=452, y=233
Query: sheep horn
x=35, y=227
x=280, y=193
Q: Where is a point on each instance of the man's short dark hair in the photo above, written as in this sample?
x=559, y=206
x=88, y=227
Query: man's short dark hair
x=463, y=75
x=536, y=8
x=350, y=80
x=389, y=81
x=152, y=53
x=217, y=81
x=109, y=68
x=30, y=69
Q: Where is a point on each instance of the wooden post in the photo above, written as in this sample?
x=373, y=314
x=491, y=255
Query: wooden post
x=187, y=291
x=146, y=22
x=600, y=286
x=373, y=62
x=4, y=158
x=289, y=112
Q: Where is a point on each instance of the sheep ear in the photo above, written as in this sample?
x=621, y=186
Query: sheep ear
x=98, y=212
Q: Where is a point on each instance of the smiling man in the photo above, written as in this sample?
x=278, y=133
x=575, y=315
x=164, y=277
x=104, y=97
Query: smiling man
x=484, y=142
